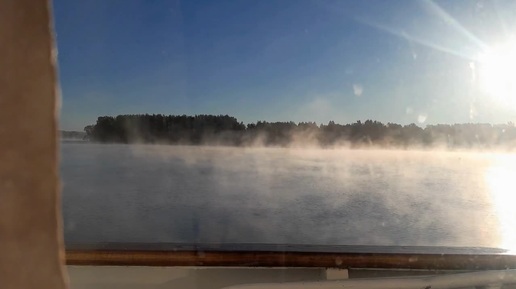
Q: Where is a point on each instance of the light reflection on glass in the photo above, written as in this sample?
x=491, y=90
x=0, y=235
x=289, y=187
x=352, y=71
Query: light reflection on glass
x=501, y=180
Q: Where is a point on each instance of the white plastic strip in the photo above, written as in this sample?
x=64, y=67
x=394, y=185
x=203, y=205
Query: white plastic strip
x=475, y=279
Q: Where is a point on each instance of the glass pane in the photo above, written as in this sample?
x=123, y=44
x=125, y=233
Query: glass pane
x=251, y=124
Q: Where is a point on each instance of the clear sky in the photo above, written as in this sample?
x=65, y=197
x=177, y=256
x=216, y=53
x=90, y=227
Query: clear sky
x=398, y=61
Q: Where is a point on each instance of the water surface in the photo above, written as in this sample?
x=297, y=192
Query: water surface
x=188, y=194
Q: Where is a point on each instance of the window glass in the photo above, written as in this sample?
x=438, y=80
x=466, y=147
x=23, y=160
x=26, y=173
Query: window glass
x=257, y=123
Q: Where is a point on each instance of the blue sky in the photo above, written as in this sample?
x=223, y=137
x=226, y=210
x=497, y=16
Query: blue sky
x=301, y=60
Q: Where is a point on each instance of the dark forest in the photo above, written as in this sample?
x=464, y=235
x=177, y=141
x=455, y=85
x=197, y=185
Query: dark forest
x=227, y=130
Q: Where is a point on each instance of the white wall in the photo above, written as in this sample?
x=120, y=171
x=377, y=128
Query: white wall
x=100, y=277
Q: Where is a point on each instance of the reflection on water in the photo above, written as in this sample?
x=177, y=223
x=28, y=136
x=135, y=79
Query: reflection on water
x=501, y=178
x=162, y=194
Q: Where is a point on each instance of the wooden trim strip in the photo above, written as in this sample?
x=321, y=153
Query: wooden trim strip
x=291, y=259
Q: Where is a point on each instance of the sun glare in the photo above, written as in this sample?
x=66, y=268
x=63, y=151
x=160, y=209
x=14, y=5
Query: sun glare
x=497, y=72
x=502, y=183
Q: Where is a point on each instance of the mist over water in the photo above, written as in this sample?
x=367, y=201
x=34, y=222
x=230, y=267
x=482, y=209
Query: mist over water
x=195, y=194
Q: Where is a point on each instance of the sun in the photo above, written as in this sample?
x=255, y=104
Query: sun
x=497, y=72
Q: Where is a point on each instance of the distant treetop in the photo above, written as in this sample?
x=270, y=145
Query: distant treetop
x=227, y=130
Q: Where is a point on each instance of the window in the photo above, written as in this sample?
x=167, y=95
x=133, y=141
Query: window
x=367, y=126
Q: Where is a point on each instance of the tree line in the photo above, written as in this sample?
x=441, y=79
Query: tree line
x=72, y=135
x=227, y=130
